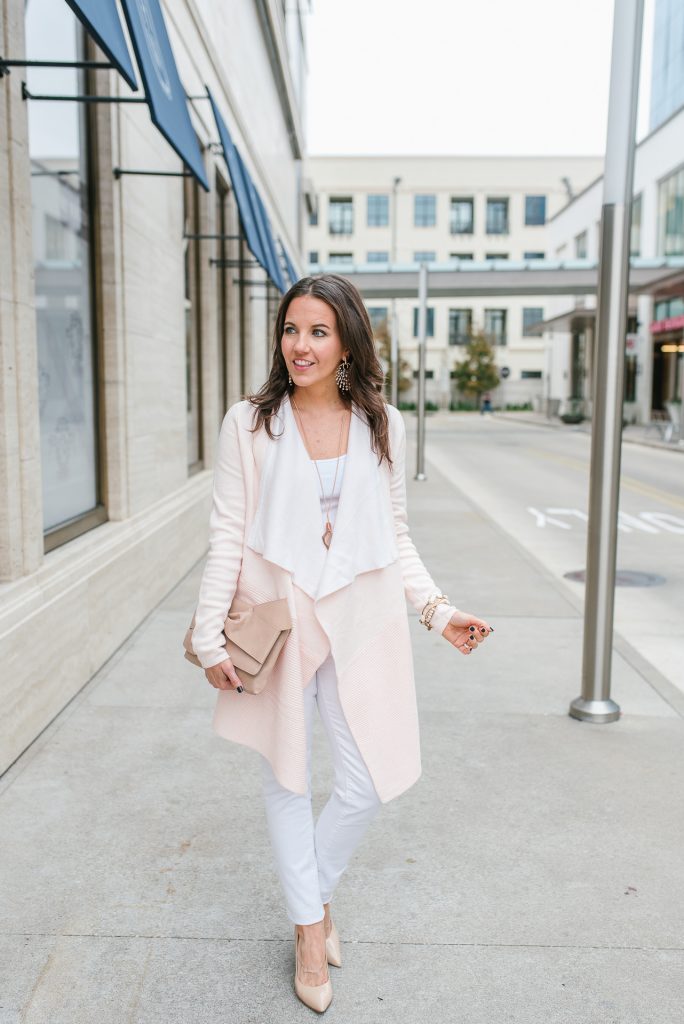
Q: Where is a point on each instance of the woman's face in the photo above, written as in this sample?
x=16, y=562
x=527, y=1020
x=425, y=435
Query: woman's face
x=310, y=334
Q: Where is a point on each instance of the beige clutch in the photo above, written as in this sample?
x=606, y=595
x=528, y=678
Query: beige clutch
x=255, y=635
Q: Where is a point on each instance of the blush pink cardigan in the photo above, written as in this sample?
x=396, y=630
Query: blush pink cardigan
x=265, y=542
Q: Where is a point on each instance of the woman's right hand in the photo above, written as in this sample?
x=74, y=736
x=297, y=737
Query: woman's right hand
x=223, y=676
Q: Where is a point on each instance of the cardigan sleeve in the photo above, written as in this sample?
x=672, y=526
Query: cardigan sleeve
x=418, y=584
x=226, y=535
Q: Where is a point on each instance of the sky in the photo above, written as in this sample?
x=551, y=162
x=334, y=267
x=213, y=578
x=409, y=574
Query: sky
x=471, y=77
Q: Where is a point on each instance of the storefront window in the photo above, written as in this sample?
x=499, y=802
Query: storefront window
x=671, y=215
x=63, y=263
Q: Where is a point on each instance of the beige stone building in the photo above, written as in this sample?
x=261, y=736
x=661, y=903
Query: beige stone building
x=124, y=335
x=442, y=209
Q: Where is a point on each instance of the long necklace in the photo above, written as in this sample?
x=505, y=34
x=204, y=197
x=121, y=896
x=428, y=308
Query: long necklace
x=327, y=535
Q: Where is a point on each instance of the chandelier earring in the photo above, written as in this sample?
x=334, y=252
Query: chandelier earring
x=342, y=375
x=289, y=379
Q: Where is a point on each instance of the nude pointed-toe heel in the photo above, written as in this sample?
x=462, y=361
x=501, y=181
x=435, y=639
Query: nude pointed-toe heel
x=317, y=997
x=332, y=947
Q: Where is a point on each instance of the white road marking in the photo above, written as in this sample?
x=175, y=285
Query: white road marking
x=543, y=519
x=666, y=520
x=646, y=522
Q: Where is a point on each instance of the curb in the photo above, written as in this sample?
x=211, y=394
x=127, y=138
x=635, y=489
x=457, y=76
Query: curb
x=662, y=445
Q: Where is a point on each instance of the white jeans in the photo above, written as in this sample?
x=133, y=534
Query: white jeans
x=310, y=859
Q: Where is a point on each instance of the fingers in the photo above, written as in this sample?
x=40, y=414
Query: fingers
x=476, y=635
x=223, y=676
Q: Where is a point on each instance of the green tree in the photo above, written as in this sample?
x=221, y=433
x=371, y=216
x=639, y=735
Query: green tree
x=383, y=340
x=477, y=372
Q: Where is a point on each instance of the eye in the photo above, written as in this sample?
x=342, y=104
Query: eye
x=317, y=330
x=289, y=329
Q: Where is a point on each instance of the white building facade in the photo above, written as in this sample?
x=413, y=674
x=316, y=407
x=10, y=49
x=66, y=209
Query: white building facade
x=132, y=314
x=654, y=343
x=442, y=209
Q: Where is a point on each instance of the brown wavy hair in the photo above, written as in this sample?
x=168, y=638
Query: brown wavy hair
x=366, y=377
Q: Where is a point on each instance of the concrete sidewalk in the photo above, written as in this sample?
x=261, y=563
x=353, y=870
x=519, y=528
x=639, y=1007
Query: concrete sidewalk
x=533, y=874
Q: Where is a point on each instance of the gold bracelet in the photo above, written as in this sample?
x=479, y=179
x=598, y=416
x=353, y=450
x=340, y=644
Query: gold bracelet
x=430, y=605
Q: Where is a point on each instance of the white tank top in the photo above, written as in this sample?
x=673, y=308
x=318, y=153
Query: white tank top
x=326, y=468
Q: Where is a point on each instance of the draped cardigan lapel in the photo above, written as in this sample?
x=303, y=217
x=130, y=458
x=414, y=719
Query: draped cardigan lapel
x=288, y=525
x=349, y=601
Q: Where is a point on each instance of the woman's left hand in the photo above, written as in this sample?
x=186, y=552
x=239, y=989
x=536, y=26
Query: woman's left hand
x=466, y=631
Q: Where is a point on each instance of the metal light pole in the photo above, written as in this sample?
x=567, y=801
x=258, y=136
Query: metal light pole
x=595, y=704
x=394, y=332
x=422, y=341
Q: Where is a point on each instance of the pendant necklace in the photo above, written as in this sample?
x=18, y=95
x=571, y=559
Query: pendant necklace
x=326, y=537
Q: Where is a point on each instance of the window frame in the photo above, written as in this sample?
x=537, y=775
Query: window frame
x=371, y=222
x=433, y=204
x=465, y=337
x=336, y=203
x=491, y=334
x=83, y=522
x=534, y=223
x=498, y=199
x=526, y=325
x=462, y=199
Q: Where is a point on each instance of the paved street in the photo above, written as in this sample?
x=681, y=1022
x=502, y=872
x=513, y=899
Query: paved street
x=534, y=482
x=532, y=875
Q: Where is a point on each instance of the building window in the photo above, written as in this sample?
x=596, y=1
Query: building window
x=193, y=377
x=531, y=315
x=535, y=209
x=496, y=255
x=460, y=326
x=534, y=255
x=313, y=256
x=581, y=246
x=429, y=374
x=495, y=326
x=460, y=255
x=530, y=374
x=377, y=211
x=313, y=217
x=424, y=256
x=671, y=215
x=60, y=147
x=424, y=211
x=497, y=216
x=377, y=256
x=667, y=308
x=461, y=217
x=430, y=322
x=340, y=216
x=635, y=228
x=340, y=259
x=377, y=316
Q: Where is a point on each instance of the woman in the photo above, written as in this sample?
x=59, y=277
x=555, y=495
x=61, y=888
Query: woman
x=283, y=525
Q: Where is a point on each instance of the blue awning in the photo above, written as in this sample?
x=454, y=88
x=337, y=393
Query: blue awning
x=101, y=19
x=250, y=191
x=163, y=87
x=255, y=228
x=267, y=241
x=291, y=272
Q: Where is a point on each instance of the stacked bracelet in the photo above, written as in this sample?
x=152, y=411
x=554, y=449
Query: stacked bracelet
x=429, y=608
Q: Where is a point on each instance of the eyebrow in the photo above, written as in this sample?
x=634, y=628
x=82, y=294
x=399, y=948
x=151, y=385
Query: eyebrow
x=313, y=325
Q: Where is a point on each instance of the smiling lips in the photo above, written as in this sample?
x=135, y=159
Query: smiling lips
x=304, y=366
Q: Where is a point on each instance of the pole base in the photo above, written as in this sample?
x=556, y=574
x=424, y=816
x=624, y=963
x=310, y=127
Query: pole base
x=598, y=711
